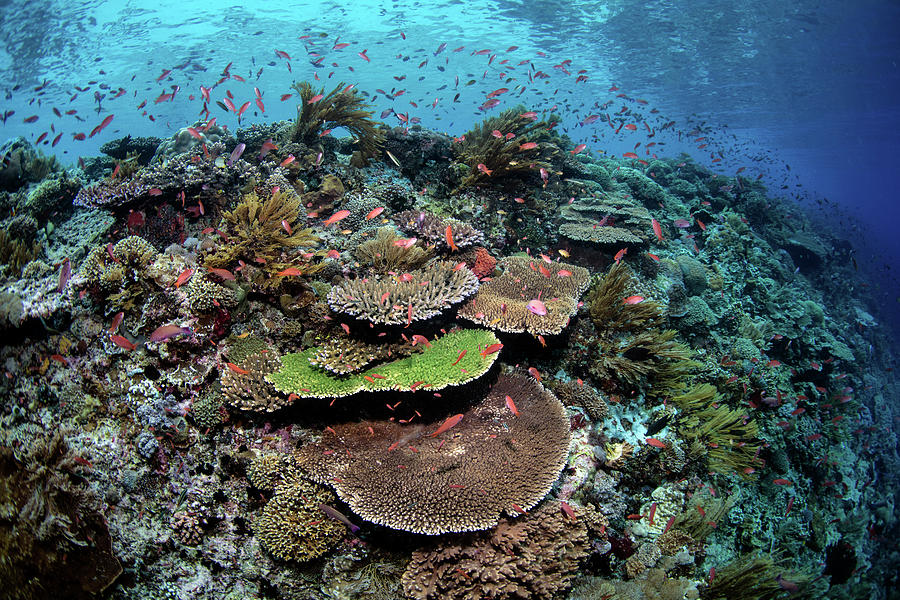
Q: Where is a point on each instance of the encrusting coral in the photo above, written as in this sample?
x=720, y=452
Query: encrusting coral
x=418, y=478
x=341, y=107
x=521, y=149
x=398, y=300
x=528, y=296
x=533, y=556
x=453, y=359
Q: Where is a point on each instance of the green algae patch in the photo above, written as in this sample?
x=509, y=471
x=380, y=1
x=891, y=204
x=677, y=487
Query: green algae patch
x=453, y=359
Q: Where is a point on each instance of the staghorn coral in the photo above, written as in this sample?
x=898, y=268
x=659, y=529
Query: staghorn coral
x=399, y=300
x=251, y=392
x=338, y=108
x=53, y=537
x=433, y=229
x=502, y=303
x=256, y=235
x=383, y=253
x=533, y=556
x=504, y=156
x=490, y=462
x=437, y=366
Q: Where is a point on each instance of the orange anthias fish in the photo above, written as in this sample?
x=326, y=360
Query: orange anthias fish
x=183, y=278
x=535, y=373
x=512, y=406
x=448, y=234
x=657, y=229
x=655, y=442
x=620, y=254
x=450, y=422
x=491, y=349
x=341, y=214
x=374, y=213
x=122, y=342
x=237, y=369
x=633, y=300
x=290, y=271
x=484, y=169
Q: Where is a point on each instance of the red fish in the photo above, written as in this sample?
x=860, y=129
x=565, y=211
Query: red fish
x=233, y=367
x=484, y=169
x=122, y=342
x=633, y=300
x=223, y=273
x=528, y=146
x=536, y=307
x=315, y=98
x=535, y=373
x=620, y=254
x=655, y=443
x=289, y=272
x=363, y=56
x=657, y=229
x=491, y=350
x=184, y=277
x=341, y=214
x=448, y=235
x=564, y=273
x=167, y=332
x=450, y=422
x=117, y=320
x=459, y=358
x=287, y=161
x=567, y=510
x=374, y=213
x=65, y=274
x=782, y=482
x=630, y=155
x=102, y=125
x=579, y=148
x=512, y=406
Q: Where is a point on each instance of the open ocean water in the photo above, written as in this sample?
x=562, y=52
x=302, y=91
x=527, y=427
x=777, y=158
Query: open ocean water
x=634, y=263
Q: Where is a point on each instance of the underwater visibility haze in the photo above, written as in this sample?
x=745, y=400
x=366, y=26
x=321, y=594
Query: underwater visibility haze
x=449, y=300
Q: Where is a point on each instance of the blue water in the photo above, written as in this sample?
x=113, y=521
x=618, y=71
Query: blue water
x=802, y=93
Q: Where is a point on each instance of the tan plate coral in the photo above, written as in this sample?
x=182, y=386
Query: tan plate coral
x=491, y=462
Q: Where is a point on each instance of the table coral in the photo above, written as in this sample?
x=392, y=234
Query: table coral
x=452, y=359
x=399, y=300
x=502, y=303
x=491, y=462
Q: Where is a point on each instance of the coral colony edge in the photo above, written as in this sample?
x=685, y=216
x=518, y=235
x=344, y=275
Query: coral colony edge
x=269, y=362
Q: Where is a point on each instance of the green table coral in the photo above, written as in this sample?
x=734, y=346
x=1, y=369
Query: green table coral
x=453, y=359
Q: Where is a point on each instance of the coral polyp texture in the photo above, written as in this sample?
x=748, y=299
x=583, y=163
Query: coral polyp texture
x=401, y=299
x=452, y=359
x=507, y=302
x=419, y=478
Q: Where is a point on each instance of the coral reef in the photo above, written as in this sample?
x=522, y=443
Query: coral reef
x=413, y=478
x=384, y=253
x=433, y=229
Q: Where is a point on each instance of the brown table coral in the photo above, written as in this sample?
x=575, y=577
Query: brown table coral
x=491, y=462
x=503, y=302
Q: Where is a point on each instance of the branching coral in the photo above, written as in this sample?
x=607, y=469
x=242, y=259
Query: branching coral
x=410, y=477
x=384, y=253
x=249, y=390
x=15, y=252
x=450, y=360
x=433, y=229
x=508, y=302
x=338, y=108
x=396, y=300
x=522, y=148
x=535, y=556
x=257, y=235
x=118, y=272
